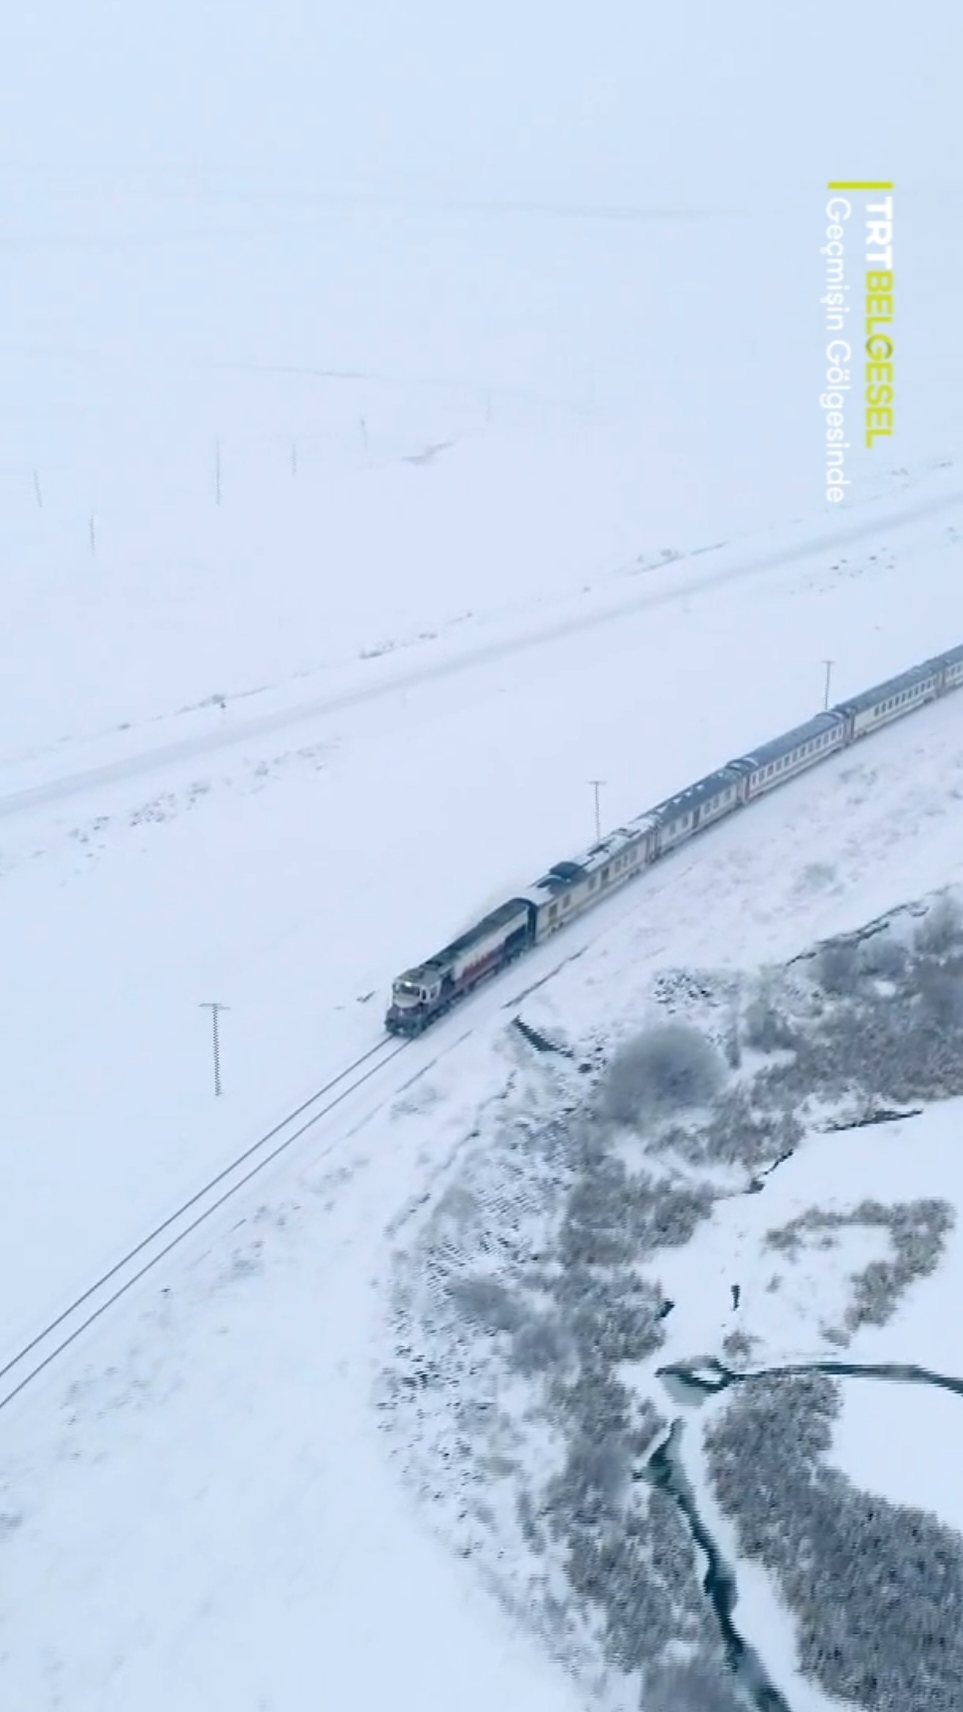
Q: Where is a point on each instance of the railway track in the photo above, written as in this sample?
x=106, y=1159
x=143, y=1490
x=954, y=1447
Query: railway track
x=34, y=1357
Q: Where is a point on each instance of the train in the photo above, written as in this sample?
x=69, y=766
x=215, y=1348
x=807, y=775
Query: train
x=428, y=990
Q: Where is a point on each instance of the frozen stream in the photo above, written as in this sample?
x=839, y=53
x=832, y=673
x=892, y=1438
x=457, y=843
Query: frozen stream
x=695, y=1380
x=664, y=1470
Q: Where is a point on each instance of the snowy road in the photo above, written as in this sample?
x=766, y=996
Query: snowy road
x=682, y=581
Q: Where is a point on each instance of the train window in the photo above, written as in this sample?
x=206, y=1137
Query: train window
x=552, y=911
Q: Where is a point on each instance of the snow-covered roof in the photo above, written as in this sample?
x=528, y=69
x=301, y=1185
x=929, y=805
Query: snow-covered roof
x=704, y=790
x=892, y=687
x=562, y=875
x=788, y=741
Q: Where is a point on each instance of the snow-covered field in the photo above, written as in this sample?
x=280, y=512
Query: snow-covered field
x=399, y=433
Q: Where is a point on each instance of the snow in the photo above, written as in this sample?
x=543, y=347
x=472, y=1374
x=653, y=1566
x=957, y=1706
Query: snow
x=506, y=364
x=275, y=1560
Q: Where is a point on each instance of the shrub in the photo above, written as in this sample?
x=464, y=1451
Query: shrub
x=666, y=1069
x=616, y=1316
x=540, y=1344
x=765, y=1029
x=486, y=1303
x=876, y=1588
x=881, y=956
x=591, y=1484
x=737, y=1132
x=941, y=994
x=693, y=1687
x=836, y=968
x=941, y=929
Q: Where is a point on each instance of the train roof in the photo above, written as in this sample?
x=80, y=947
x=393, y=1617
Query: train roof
x=704, y=790
x=790, y=740
x=952, y=657
x=568, y=873
x=891, y=687
x=498, y=918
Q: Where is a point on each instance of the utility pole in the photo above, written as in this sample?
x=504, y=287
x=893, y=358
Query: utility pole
x=829, y=664
x=215, y=1010
x=596, y=786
